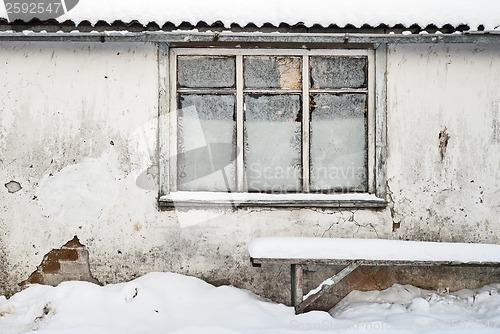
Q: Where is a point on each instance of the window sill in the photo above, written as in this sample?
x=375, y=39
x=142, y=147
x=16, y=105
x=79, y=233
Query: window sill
x=235, y=200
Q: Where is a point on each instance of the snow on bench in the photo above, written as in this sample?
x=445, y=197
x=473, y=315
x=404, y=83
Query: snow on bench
x=371, y=250
x=352, y=253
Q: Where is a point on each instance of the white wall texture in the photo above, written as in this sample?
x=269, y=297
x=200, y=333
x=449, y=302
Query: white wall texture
x=457, y=88
x=78, y=131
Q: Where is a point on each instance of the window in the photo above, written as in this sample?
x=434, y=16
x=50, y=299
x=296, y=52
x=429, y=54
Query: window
x=272, y=127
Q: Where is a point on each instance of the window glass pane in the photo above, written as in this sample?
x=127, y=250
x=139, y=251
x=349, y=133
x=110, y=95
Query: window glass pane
x=206, y=143
x=272, y=72
x=338, y=72
x=273, y=143
x=338, y=142
x=206, y=72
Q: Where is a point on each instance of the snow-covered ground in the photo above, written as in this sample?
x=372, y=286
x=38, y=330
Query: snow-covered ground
x=172, y=303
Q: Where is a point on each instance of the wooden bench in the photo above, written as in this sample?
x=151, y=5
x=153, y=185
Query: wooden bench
x=352, y=253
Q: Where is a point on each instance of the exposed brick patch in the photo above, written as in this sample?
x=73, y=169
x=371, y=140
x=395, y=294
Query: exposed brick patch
x=68, y=263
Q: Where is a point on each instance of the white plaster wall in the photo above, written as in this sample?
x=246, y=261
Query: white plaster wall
x=77, y=128
x=78, y=131
x=430, y=88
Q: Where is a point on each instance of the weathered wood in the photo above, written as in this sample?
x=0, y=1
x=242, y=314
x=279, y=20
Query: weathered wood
x=297, y=277
x=301, y=303
x=240, y=125
x=164, y=119
x=186, y=38
x=306, y=127
x=343, y=262
x=165, y=203
x=311, y=297
x=170, y=133
x=380, y=120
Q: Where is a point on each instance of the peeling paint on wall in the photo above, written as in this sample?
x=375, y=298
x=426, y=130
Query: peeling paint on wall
x=70, y=262
x=86, y=155
x=439, y=85
x=13, y=186
x=3, y=265
x=444, y=137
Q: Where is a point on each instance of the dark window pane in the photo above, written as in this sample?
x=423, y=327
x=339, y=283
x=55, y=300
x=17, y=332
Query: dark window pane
x=273, y=143
x=272, y=72
x=206, y=72
x=337, y=72
x=206, y=143
x=338, y=142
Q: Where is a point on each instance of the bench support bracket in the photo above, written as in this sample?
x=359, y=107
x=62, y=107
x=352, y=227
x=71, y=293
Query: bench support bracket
x=299, y=301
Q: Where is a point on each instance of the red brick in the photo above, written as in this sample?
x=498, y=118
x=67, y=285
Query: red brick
x=50, y=266
x=73, y=243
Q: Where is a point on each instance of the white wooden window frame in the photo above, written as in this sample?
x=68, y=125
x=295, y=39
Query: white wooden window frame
x=169, y=196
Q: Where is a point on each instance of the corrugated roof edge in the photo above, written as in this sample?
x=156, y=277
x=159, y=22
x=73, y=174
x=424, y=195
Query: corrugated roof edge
x=134, y=26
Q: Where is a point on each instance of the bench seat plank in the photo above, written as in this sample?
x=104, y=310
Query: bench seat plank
x=257, y=262
x=332, y=251
x=351, y=253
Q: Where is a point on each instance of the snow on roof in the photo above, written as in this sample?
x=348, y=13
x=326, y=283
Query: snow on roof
x=476, y=14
